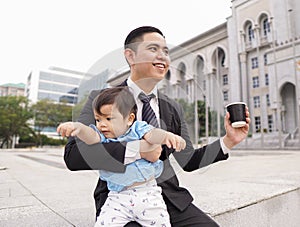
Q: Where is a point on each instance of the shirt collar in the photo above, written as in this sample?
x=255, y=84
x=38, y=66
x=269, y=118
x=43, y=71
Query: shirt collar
x=136, y=90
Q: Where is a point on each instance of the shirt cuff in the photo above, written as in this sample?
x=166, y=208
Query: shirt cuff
x=225, y=149
x=132, y=152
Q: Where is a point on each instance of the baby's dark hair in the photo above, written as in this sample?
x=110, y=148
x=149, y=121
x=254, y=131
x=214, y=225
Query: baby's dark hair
x=120, y=96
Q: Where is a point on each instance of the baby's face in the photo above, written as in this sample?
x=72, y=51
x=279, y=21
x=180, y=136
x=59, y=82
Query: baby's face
x=111, y=122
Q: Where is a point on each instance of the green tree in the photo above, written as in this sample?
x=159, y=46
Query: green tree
x=48, y=114
x=78, y=107
x=14, y=117
x=201, y=117
x=189, y=115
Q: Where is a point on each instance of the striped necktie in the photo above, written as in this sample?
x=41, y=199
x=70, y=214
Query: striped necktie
x=148, y=114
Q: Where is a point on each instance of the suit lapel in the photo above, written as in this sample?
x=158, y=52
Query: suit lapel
x=124, y=83
x=165, y=112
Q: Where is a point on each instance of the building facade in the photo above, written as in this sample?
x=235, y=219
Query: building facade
x=12, y=89
x=254, y=57
x=55, y=84
x=266, y=38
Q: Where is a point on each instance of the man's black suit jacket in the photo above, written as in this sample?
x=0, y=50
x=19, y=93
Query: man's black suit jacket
x=110, y=156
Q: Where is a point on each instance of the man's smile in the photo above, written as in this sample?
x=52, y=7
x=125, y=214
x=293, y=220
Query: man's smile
x=159, y=65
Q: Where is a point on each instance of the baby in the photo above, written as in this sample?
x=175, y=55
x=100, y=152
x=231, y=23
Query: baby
x=134, y=195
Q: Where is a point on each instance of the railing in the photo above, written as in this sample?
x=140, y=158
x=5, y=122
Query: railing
x=291, y=135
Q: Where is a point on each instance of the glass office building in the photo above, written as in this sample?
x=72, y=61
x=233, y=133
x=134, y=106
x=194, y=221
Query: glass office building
x=55, y=84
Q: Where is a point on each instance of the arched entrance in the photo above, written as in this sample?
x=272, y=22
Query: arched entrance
x=289, y=105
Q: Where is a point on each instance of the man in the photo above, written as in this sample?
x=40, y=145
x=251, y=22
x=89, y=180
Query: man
x=147, y=54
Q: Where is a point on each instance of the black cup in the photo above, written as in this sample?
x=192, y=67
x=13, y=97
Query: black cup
x=237, y=111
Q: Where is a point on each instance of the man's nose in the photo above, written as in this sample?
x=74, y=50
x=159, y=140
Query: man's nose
x=161, y=54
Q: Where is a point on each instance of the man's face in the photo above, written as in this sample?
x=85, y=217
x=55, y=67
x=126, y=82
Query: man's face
x=151, y=59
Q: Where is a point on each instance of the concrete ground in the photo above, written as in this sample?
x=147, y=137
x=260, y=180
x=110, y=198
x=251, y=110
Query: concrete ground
x=252, y=188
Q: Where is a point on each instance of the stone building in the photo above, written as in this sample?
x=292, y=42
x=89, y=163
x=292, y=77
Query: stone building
x=12, y=89
x=264, y=42
x=253, y=57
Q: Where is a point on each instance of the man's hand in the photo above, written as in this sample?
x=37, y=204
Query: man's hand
x=235, y=135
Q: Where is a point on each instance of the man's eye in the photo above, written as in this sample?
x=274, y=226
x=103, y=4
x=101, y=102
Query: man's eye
x=153, y=48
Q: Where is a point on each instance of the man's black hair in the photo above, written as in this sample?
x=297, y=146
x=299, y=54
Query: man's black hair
x=136, y=35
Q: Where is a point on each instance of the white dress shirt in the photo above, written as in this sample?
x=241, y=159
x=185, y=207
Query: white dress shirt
x=132, y=149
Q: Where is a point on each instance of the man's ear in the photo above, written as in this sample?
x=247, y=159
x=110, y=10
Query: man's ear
x=129, y=55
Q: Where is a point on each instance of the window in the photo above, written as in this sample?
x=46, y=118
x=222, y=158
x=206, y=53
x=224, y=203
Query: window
x=225, y=95
x=190, y=90
x=60, y=88
x=265, y=59
x=270, y=123
x=266, y=27
x=268, y=99
x=223, y=61
x=250, y=33
x=45, y=76
x=57, y=97
x=267, y=79
x=225, y=79
x=256, y=101
x=257, y=124
x=187, y=88
x=255, y=81
x=254, y=62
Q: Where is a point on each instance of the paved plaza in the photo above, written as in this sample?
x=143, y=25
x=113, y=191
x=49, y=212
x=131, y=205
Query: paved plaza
x=36, y=189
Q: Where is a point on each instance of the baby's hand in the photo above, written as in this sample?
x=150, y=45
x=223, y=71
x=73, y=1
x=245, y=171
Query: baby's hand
x=68, y=128
x=174, y=141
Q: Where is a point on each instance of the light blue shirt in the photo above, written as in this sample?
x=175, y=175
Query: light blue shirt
x=138, y=171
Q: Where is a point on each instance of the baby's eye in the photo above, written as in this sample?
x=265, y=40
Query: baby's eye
x=97, y=120
x=108, y=118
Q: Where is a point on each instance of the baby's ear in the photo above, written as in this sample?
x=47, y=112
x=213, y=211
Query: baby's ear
x=131, y=118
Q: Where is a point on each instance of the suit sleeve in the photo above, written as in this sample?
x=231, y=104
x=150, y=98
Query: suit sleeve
x=80, y=156
x=191, y=159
